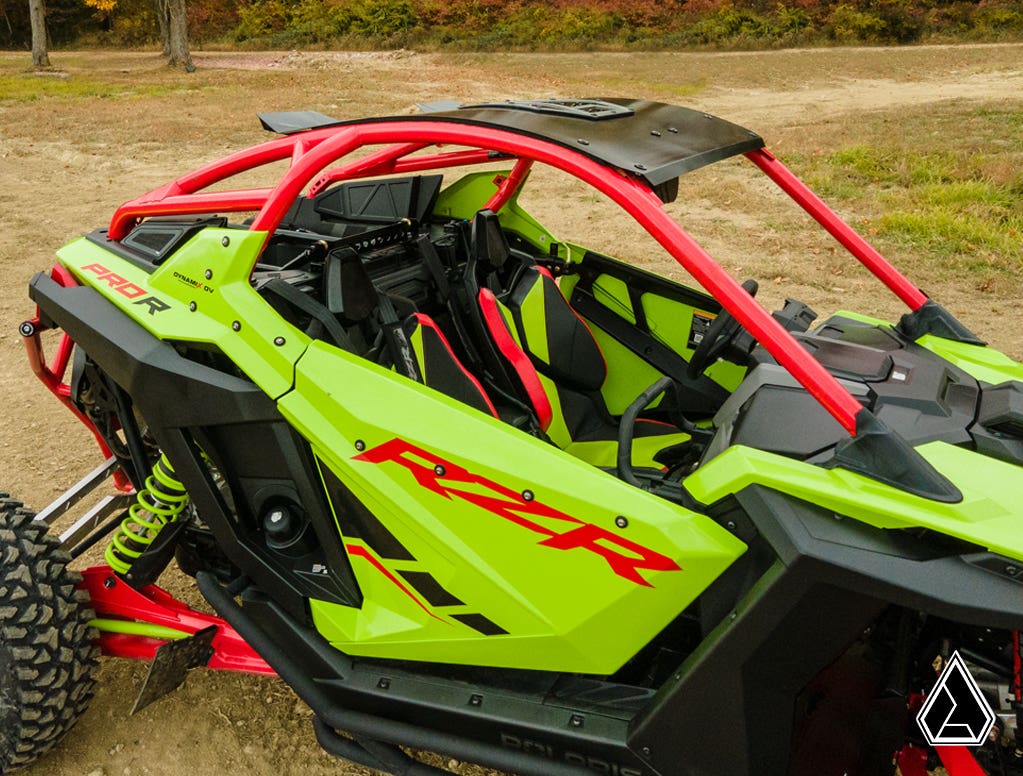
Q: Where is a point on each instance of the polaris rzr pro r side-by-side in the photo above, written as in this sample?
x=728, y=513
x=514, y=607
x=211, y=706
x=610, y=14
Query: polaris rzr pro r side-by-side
x=470, y=488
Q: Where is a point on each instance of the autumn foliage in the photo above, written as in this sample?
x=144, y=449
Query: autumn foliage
x=532, y=24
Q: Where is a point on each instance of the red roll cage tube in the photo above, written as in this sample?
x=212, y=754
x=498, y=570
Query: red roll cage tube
x=312, y=151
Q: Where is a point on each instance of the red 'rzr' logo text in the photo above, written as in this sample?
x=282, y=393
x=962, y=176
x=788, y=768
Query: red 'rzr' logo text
x=626, y=558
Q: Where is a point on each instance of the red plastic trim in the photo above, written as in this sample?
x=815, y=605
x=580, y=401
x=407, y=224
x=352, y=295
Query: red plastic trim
x=426, y=320
x=899, y=284
x=113, y=598
x=516, y=357
x=362, y=552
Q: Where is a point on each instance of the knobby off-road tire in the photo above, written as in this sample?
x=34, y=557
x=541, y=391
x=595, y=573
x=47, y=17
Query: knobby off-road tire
x=47, y=658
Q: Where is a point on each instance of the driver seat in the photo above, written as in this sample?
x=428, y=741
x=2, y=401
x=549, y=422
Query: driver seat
x=553, y=354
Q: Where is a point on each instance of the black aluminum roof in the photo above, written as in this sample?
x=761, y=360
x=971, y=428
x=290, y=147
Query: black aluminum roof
x=651, y=140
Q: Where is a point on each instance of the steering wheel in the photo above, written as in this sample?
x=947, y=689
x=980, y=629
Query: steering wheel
x=719, y=336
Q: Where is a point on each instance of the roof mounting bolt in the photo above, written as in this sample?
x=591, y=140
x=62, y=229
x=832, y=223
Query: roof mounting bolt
x=236, y=325
x=576, y=720
x=527, y=495
x=639, y=166
x=225, y=240
x=730, y=525
x=384, y=683
x=622, y=521
x=655, y=133
x=360, y=445
x=209, y=274
x=583, y=141
x=673, y=130
x=439, y=470
x=475, y=700
x=1011, y=571
x=646, y=751
x=278, y=341
x=192, y=306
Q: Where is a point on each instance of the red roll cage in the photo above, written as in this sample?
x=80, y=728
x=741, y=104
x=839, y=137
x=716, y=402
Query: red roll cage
x=312, y=151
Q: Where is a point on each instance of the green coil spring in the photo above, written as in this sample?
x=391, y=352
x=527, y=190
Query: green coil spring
x=160, y=502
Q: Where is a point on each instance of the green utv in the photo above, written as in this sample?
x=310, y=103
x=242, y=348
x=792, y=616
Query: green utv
x=469, y=488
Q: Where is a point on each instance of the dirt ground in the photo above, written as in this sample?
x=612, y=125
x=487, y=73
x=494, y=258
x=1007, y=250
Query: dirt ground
x=67, y=161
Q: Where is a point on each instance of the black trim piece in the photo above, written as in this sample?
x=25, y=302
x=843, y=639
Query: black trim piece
x=881, y=454
x=932, y=318
x=480, y=624
x=429, y=588
x=513, y=730
x=357, y=522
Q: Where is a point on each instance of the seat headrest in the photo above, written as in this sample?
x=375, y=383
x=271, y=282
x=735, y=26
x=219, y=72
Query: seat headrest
x=348, y=288
x=489, y=245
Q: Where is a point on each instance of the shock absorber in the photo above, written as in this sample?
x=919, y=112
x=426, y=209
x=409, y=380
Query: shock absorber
x=160, y=502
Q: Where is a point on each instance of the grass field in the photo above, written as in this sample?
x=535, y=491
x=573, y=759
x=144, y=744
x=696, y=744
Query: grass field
x=921, y=149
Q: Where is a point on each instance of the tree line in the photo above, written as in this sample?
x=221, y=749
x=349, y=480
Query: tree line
x=508, y=24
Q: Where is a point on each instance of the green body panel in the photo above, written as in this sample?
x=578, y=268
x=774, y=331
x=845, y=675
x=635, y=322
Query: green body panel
x=990, y=513
x=563, y=609
x=219, y=301
x=980, y=362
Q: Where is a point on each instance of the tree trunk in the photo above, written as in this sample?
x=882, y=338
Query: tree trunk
x=37, y=14
x=163, y=20
x=177, y=36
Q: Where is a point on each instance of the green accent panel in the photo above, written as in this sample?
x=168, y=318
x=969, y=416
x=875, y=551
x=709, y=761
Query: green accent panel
x=990, y=514
x=980, y=362
x=862, y=318
x=628, y=375
x=132, y=628
x=605, y=453
x=467, y=196
x=220, y=300
x=614, y=295
x=416, y=341
x=564, y=609
x=558, y=429
x=670, y=322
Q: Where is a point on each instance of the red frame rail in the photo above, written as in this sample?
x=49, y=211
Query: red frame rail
x=313, y=151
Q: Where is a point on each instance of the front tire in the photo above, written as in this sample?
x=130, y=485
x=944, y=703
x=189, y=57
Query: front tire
x=47, y=655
